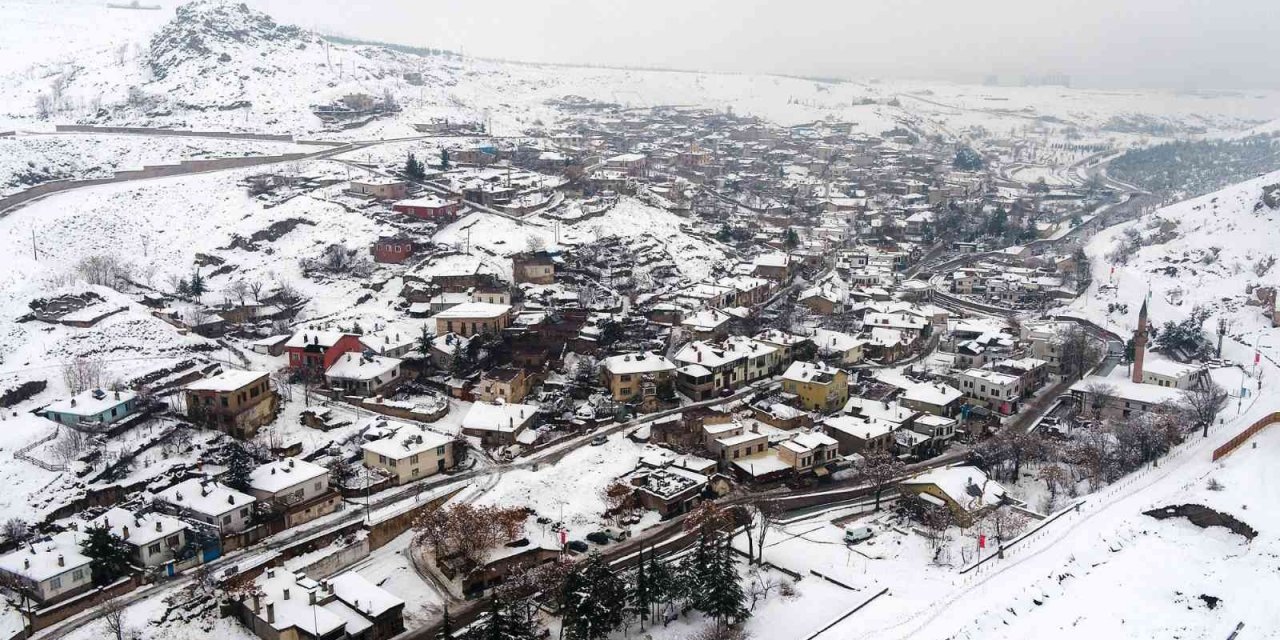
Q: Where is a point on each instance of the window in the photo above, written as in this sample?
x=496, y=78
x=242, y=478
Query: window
x=440, y=450
x=318, y=485
x=56, y=583
x=224, y=401
x=382, y=459
x=626, y=377
x=244, y=513
x=415, y=472
x=413, y=459
x=153, y=549
x=226, y=519
x=77, y=575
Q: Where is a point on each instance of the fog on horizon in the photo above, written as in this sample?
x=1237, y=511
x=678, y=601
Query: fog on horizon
x=1177, y=44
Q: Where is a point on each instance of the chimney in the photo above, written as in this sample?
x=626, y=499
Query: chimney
x=61, y=561
x=125, y=531
x=271, y=612
x=117, y=394
x=257, y=602
x=231, y=499
x=158, y=528
x=286, y=594
x=311, y=597
x=73, y=402
x=271, y=573
x=26, y=563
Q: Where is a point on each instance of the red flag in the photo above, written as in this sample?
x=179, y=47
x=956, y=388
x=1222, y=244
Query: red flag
x=563, y=537
x=1257, y=355
x=982, y=542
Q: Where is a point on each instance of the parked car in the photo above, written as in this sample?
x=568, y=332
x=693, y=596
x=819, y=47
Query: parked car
x=598, y=440
x=854, y=535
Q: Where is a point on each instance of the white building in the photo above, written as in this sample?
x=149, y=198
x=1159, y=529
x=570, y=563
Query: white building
x=997, y=390
x=153, y=537
x=50, y=570
x=210, y=502
x=410, y=453
x=361, y=375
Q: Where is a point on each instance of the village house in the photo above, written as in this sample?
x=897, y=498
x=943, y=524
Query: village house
x=283, y=605
x=536, y=267
x=356, y=374
x=474, y=318
x=843, y=347
x=210, y=502
x=1033, y=373
x=235, y=402
x=635, y=165
x=313, y=352
x=428, y=208
x=629, y=376
x=670, y=491
x=809, y=451
x=295, y=489
x=153, y=538
x=966, y=491
x=380, y=188
x=393, y=249
x=508, y=384
x=997, y=391
x=498, y=424
x=729, y=448
x=773, y=266
x=816, y=386
x=92, y=407
x=786, y=343
x=859, y=434
x=411, y=453
x=49, y=571
x=932, y=397
x=706, y=370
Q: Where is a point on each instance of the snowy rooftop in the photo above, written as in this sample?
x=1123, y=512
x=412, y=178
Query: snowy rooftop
x=433, y=202
x=475, y=310
x=226, y=381
x=809, y=372
x=353, y=366
x=860, y=426
x=41, y=561
x=281, y=474
x=91, y=402
x=324, y=339
x=206, y=497
x=408, y=440
x=644, y=362
x=967, y=486
x=140, y=530
x=364, y=596
x=484, y=416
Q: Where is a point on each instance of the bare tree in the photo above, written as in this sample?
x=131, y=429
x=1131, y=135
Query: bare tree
x=104, y=270
x=1203, y=404
x=1098, y=393
x=255, y=288
x=69, y=446
x=113, y=618
x=880, y=469
x=16, y=530
x=1078, y=352
x=237, y=289
x=1006, y=523
x=759, y=585
x=122, y=54
x=44, y=106
x=82, y=374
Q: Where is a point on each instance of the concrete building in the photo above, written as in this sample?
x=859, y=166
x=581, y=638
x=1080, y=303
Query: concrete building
x=473, y=318
x=213, y=503
x=236, y=402
x=411, y=453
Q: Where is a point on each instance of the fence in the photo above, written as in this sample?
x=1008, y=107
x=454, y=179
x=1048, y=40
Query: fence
x=1234, y=443
x=22, y=454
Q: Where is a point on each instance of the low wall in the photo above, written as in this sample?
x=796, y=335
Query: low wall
x=387, y=529
x=1234, y=443
x=337, y=561
x=43, y=618
x=153, y=171
x=153, y=131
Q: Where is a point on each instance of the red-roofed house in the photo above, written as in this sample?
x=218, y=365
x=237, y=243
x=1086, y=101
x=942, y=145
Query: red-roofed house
x=313, y=352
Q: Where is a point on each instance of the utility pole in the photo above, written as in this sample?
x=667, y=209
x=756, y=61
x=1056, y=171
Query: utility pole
x=35, y=255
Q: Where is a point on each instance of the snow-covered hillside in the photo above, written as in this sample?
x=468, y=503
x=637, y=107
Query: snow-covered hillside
x=1213, y=251
x=214, y=64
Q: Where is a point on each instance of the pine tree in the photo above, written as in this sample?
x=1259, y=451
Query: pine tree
x=444, y=159
x=425, y=342
x=198, y=287
x=662, y=584
x=641, y=596
x=595, y=599
x=183, y=288
x=108, y=555
x=239, y=466
x=413, y=168
x=724, y=599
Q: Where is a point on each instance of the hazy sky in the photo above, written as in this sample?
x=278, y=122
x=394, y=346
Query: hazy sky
x=1210, y=44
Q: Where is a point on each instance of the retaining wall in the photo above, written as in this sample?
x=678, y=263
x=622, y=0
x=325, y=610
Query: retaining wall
x=153, y=131
x=1234, y=443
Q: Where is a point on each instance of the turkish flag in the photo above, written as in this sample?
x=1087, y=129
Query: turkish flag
x=982, y=542
x=563, y=537
x=1257, y=356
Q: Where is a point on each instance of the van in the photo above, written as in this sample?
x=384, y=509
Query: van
x=854, y=535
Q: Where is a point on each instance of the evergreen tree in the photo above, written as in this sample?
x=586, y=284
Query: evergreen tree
x=239, y=466
x=183, y=289
x=444, y=159
x=504, y=622
x=595, y=599
x=425, y=339
x=197, y=286
x=792, y=239
x=724, y=599
x=661, y=581
x=641, y=595
x=413, y=168
x=108, y=555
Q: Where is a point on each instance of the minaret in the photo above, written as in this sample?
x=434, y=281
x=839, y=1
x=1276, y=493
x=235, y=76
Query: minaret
x=1140, y=342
